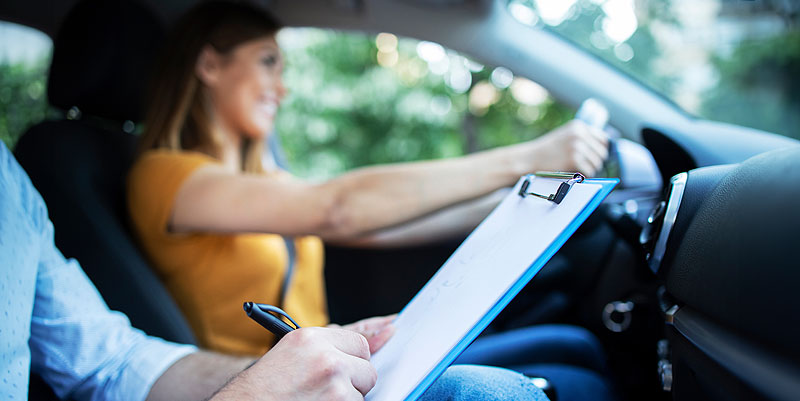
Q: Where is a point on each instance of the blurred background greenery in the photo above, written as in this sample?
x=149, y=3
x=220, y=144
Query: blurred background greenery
x=730, y=61
x=23, y=98
x=359, y=99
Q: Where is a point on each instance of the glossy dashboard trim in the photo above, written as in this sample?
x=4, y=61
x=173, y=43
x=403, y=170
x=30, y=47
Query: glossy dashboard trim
x=677, y=187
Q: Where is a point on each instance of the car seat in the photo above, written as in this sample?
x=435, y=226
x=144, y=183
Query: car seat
x=100, y=61
x=79, y=164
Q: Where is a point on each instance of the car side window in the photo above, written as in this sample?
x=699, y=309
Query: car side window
x=354, y=99
x=358, y=99
x=25, y=55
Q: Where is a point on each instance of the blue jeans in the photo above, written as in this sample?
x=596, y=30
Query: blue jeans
x=482, y=383
x=570, y=357
x=541, y=344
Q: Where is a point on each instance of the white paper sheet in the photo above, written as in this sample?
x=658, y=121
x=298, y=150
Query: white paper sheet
x=471, y=282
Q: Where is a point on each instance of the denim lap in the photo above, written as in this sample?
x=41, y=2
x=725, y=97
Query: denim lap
x=473, y=382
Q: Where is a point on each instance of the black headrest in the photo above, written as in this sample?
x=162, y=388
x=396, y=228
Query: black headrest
x=102, y=56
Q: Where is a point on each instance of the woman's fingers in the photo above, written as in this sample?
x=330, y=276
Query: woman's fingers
x=589, y=147
x=589, y=156
x=597, y=141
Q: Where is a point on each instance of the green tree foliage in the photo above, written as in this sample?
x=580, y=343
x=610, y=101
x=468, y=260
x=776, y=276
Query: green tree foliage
x=344, y=110
x=759, y=85
x=23, y=101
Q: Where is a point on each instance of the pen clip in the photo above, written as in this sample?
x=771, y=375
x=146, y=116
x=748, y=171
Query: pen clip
x=563, y=188
x=275, y=311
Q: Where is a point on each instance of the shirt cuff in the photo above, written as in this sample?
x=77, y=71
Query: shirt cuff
x=151, y=360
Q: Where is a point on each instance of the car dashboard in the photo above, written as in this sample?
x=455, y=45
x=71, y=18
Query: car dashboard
x=722, y=243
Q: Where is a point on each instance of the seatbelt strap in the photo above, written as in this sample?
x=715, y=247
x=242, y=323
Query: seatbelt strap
x=287, y=278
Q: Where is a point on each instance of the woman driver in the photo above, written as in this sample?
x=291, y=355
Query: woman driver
x=213, y=219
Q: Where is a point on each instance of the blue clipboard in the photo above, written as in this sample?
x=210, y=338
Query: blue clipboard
x=592, y=202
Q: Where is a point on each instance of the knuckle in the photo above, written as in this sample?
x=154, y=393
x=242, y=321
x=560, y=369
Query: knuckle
x=301, y=337
x=328, y=365
x=339, y=391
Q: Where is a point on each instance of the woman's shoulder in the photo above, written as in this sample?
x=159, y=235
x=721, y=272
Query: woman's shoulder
x=167, y=161
x=164, y=168
x=172, y=156
x=154, y=180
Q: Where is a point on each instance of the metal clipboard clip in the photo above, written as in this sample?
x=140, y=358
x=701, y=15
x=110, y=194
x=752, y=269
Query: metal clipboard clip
x=563, y=188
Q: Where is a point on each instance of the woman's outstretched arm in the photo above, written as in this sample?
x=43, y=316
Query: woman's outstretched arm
x=364, y=200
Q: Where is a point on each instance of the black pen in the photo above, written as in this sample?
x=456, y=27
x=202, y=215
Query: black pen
x=269, y=317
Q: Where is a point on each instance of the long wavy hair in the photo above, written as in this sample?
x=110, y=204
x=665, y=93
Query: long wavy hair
x=178, y=110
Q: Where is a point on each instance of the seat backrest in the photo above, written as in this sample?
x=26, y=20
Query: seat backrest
x=80, y=171
x=100, y=62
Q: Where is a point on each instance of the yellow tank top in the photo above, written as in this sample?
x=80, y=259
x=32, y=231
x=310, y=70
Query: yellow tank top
x=211, y=275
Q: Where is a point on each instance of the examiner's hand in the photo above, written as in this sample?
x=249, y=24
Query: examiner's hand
x=575, y=146
x=377, y=330
x=308, y=364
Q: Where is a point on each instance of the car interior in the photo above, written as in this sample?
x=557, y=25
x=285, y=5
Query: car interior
x=687, y=277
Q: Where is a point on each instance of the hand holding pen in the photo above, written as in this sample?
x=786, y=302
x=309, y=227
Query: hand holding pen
x=308, y=364
x=376, y=330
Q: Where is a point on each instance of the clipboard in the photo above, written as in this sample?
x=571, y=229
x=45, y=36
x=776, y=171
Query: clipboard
x=481, y=277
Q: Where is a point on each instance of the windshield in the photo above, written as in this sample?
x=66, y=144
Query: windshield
x=734, y=61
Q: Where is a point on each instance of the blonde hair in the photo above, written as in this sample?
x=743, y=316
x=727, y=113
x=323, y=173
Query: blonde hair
x=178, y=112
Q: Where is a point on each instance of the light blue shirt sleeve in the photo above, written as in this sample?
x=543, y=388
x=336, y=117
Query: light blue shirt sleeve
x=81, y=348
x=84, y=350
